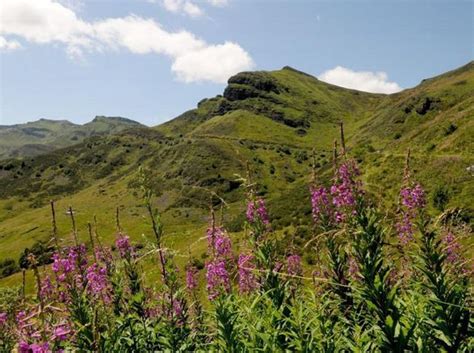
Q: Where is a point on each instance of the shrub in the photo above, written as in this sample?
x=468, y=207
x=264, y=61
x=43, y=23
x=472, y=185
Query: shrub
x=42, y=252
x=450, y=129
x=440, y=197
x=8, y=267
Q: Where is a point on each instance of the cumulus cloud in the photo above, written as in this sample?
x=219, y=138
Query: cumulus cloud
x=188, y=7
x=193, y=59
x=375, y=82
x=7, y=45
x=214, y=62
x=192, y=9
x=218, y=2
x=183, y=6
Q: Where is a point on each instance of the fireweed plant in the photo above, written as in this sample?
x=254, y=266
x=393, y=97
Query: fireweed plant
x=261, y=299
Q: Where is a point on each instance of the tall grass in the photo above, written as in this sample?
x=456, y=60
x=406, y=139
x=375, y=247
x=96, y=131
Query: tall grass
x=379, y=292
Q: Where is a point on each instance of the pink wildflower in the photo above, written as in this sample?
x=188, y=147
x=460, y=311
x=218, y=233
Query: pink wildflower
x=191, y=282
x=3, y=319
x=247, y=279
x=97, y=282
x=217, y=277
x=293, y=265
x=61, y=332
x=219, y=242
x=321, y=205
x=412, y=201
x=46, y=290
x=345, y=190
x=452, y=247
x=257, y=212
x=123, y=245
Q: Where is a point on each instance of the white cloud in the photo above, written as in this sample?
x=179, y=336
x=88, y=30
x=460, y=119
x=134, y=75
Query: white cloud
x=6, y=45
x=218, y=2
x=44, y=21
x=49, y=22
x=188, y=7
x=375, y=82
x=185, y=6
x=172, y=5
x=214, y=62
x=192, y=9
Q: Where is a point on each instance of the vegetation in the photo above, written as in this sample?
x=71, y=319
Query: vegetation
x=380, y=284
x=42, y=136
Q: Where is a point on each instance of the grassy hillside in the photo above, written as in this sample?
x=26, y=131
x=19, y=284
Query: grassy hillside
x=270, y=121
x=38, y=137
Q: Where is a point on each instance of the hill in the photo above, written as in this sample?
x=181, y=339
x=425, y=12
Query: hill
x=268, y=121
x=41, y=136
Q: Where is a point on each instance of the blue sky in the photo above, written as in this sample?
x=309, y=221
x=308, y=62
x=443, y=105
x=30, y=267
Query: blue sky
x=150, y=60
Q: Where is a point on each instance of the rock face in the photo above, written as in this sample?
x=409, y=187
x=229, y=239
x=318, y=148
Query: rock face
x=422, y=105
x=250, y=85
x=259, y=80
x=240, y=92
x=426, y=105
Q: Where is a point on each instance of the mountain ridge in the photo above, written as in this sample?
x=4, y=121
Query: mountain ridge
x=44, y=135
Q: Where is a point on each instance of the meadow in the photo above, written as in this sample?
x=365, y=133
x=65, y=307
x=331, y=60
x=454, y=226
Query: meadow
x=381, y=280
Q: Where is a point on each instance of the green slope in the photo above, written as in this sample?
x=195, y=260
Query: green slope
x=38, y=137
x=270, y=121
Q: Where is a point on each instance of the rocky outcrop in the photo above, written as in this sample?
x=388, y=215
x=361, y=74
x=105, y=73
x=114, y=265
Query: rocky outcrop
x=250, y=85
x=426, y=105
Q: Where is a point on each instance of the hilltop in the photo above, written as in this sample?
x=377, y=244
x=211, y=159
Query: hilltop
x=270, y=121
x=45, y=135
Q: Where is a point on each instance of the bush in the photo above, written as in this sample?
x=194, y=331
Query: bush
x=301, y=156
x=450, y=129
x=8, y=267
x=440, y=197
x=42, y=252
x=236, y=224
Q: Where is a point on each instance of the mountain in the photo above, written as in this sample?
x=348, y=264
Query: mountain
x=268, y=122
x=41, y=136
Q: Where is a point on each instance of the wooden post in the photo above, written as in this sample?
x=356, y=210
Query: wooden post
x=74, y=228
x=54, y=228
x=343, y=143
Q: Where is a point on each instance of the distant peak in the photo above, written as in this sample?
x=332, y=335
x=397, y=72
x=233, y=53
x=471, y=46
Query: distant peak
x=289, y=68
x=59, y=121
x=115, y=118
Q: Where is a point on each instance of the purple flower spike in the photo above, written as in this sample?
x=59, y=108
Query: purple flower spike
x=345, y=190
x=219, y=243
x=97, y=282
x=452, y=247
x=293, y=264
x=217, y=277
x=3, y=319
x=321, y=205
x=191, y=282
x=24, y=347
x=124, y=246
x=412, y=202
x=46, y=290
x=250, y=212
x=247, y=279
x=257, y=212
x=61, y=332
